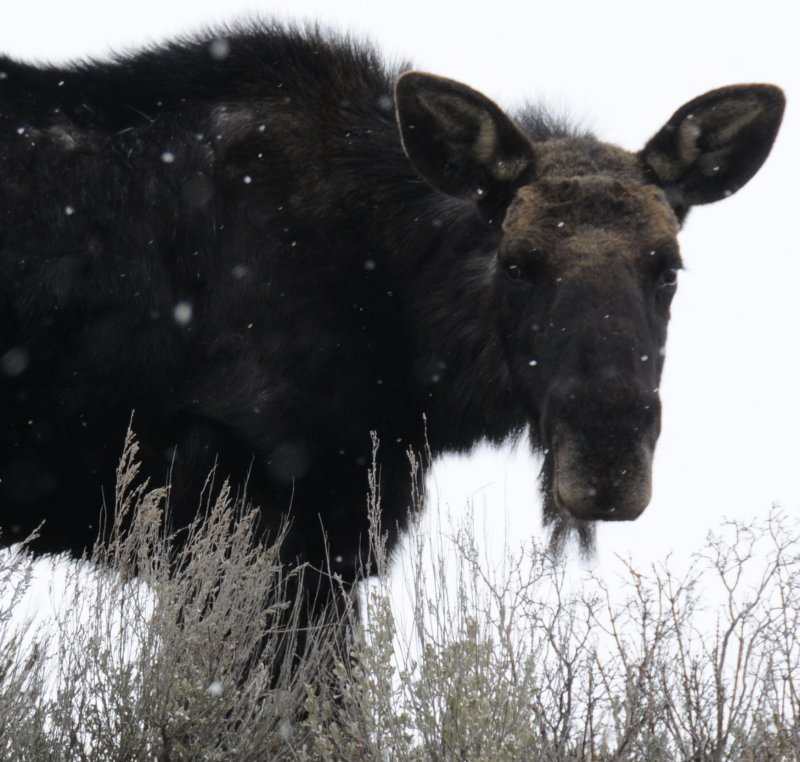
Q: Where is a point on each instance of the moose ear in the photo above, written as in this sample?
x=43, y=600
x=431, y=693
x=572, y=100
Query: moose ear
x=459, y=141
x=715, y=143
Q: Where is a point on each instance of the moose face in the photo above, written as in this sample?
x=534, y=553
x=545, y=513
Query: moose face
x=589, y=267
x=586, y=265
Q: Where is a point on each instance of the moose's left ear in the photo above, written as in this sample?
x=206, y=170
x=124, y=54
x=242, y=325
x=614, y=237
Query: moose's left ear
x=715, y=143
x=460, y=141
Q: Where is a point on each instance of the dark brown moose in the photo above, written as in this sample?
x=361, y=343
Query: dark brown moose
x=269, y=246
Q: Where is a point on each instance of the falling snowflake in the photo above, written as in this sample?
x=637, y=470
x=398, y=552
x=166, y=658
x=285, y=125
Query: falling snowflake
x=182, y=313
x=219, y=49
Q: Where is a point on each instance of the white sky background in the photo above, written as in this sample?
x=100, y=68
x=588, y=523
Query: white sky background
x=731, y=425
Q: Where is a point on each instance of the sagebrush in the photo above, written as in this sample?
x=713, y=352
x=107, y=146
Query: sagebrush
x=185, y=651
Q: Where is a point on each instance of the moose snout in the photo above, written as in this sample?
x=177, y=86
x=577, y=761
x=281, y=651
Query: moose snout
x=594, y=485
x=602, y=442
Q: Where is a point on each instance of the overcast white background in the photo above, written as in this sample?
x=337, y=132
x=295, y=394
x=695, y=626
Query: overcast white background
x=731, y=428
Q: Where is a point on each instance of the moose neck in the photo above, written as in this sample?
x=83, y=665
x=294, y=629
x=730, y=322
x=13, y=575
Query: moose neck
x=445, y=271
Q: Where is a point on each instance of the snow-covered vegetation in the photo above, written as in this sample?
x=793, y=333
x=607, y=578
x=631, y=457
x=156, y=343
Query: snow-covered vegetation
x=180, y=651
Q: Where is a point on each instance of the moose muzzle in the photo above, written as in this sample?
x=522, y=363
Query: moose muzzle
x=595, y=484
x=602, y=442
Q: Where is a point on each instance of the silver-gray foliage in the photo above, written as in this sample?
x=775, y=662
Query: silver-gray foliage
x=165, y=654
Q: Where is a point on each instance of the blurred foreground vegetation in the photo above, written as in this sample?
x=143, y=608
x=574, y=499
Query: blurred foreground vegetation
x=165, y=654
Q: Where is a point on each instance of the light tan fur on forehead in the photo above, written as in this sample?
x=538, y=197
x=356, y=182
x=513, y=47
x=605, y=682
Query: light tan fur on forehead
x=590, y=214
x=582, y=157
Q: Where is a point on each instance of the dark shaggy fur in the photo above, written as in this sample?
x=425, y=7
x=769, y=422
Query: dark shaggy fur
x=265, y=246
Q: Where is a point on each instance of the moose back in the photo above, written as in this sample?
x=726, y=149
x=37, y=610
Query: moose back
x=263, y=247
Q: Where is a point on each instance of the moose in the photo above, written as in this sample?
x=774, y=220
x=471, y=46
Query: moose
x=264, y=246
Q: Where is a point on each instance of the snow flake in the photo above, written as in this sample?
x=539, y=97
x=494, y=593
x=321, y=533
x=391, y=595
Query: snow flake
x=182, y=313
x=14, y=362
x=219, y=49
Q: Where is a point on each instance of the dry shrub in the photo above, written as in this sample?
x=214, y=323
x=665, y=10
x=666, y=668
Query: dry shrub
x=164, y=650
x=536, y=660
x=170, y=650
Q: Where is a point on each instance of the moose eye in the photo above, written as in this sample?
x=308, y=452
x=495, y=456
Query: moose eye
x=514, y=271
x=668, y=278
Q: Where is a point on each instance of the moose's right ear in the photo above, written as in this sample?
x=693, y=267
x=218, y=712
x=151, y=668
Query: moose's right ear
x=715, y=143
x=460, y=141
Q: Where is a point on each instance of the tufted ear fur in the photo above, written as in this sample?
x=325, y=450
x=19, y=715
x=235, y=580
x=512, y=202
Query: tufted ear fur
x=460, y=141
x=714, y=144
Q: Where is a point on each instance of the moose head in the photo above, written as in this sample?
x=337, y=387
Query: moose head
x=586, y=265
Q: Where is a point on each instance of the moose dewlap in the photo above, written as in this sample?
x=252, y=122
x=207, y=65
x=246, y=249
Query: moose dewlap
x=266, y=247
